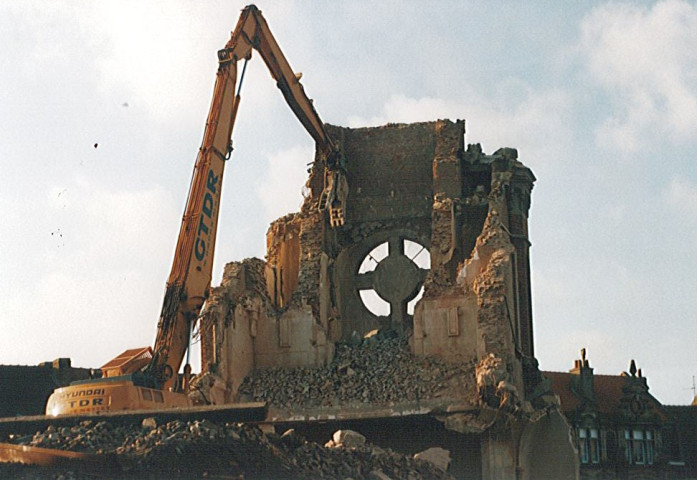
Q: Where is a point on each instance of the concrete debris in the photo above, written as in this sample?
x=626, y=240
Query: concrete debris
x=491, y=372
x=196, y=449
x=470, y=423
x=207, y=389
x=378, y=475
x=378, y=370
x=149, y=422
x=346, y=439
x=242, y=283
x=508, y=395
x=439, y=457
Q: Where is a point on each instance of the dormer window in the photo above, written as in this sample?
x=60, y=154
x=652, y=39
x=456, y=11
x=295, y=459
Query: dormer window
x=589, y=445
x=639, y=448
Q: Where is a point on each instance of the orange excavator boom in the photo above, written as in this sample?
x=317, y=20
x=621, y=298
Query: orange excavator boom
x=189, y=281
x=124, y=385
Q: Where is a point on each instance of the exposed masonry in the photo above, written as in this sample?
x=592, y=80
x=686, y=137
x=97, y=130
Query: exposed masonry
x=294, y=330
x=411, y=182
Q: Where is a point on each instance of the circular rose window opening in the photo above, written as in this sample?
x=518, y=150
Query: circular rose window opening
x=390, y=278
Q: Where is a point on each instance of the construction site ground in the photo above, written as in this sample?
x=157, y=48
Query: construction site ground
x=204, y=449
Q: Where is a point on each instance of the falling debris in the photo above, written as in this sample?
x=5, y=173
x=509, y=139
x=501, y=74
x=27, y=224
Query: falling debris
x=58, y=235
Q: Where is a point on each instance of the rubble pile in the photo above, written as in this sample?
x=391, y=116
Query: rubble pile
x=175, y=448
x=378, y=370
x=356, y=461
x=200, y=449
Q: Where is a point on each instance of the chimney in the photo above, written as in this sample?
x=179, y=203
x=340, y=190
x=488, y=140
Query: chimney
x=582, y=379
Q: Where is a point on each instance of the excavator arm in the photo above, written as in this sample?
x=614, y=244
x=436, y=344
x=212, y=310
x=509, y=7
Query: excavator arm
x=189, y=281
x=252, y=32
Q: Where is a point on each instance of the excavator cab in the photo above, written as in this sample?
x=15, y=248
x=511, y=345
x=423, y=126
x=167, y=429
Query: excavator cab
x=129, y=361
x=121, y=386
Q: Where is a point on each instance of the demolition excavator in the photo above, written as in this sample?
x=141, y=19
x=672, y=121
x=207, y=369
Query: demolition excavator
x=149, y=378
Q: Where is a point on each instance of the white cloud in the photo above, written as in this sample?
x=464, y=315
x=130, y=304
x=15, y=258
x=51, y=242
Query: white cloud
x=150, y=51
x=536, y=123
x=564, y=289
x=281, y=189
x=402, y=109
x=601, y=347
x=682, y=194
x=98, y=289
x=100, y=276
x=125, y=226
x=644, y=57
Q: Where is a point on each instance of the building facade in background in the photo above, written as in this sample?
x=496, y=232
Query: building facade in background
x=621, y=430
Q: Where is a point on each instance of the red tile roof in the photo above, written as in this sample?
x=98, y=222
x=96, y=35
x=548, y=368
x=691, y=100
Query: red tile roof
x=608, y=391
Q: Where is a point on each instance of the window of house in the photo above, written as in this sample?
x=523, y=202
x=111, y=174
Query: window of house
x=649, y=447
x=594, y=446
x=589, y=445
x=639, y=446
x=583, y=445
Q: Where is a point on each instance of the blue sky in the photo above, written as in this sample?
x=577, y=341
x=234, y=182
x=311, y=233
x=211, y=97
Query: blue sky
x=599, y=98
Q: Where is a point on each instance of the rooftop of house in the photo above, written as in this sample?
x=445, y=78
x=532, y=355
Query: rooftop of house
x=611, y=394
x=608, y=391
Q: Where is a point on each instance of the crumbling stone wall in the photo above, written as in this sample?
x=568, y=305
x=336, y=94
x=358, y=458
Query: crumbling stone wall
x=300, y=337
x=229, y=325
x=406, y=182
x=283, y=258
x=392, y=172
x=476, y=263
x=389, y=178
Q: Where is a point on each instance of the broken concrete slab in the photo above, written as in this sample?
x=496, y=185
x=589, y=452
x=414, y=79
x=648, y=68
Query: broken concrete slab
x=437, y=456
x=346, y=439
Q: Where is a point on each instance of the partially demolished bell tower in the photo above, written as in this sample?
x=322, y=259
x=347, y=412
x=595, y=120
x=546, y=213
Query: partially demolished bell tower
x=415, y=192
x=429, y=276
